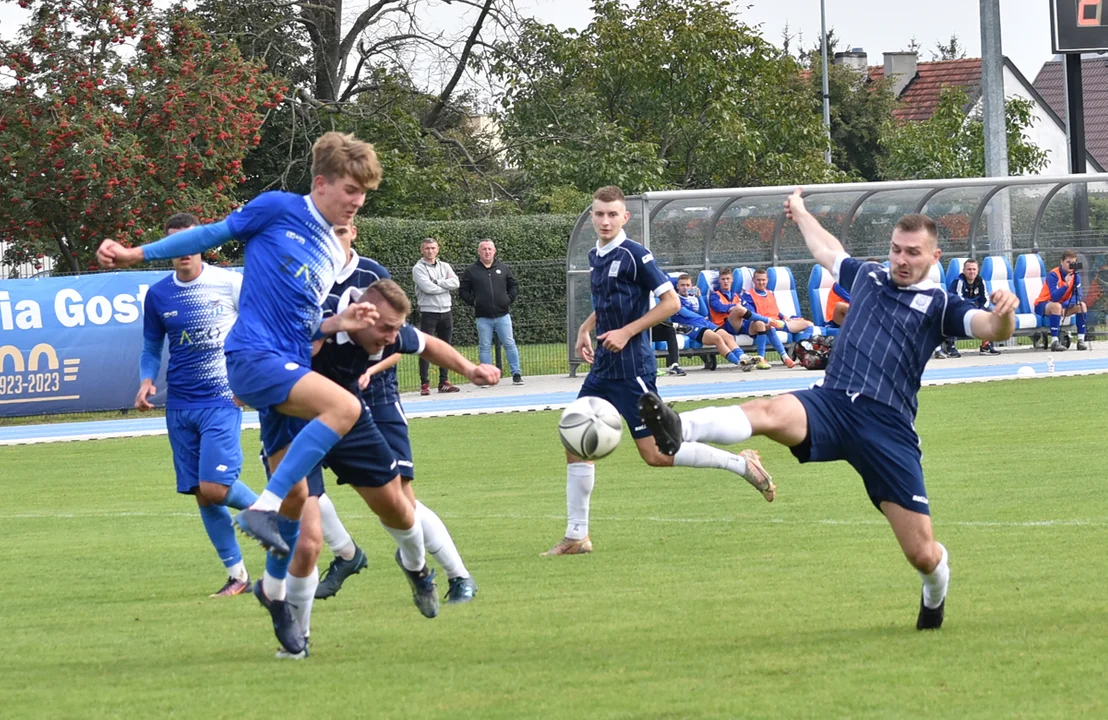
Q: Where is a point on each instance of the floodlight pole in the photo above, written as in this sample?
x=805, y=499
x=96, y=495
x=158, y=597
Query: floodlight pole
x=826, y=91
x=996, y=134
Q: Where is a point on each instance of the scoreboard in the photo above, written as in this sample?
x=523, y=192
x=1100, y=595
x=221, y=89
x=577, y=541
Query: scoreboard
x=1079, y=26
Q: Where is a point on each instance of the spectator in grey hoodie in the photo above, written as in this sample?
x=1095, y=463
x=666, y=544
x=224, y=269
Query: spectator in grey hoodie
x=434, y=281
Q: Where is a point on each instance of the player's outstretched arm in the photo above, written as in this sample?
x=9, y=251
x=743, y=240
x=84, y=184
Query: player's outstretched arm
x=443, y=355
x=824, y=246
x=616, y=340
x=999, y=322
x=195, y=240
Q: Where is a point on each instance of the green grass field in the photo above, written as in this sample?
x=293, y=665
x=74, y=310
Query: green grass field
x=701, y=600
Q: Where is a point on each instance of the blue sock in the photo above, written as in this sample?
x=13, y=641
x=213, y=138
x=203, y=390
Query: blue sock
x=760, y=344
x=277, y=567
x=239, y=496
x=777, y=344
x=1055, y=323
x=1080, y=323
x=305, y=451
x=804, y=334
x=217, y=521
x=735, y=355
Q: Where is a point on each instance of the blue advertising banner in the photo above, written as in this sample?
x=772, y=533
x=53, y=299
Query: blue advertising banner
x=72, y=344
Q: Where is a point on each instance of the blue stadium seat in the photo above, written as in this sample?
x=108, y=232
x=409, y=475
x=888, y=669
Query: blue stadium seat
x=819, y=289
x=1030, y=275
x=953, y=270
x=783, y=284
x=997, y=274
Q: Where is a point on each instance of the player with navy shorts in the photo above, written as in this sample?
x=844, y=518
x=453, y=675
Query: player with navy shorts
x=623, y=276
x=195, y=308
x=864, y=411
x=292, y=257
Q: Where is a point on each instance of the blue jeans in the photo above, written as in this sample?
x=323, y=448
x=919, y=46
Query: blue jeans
x=503, y=327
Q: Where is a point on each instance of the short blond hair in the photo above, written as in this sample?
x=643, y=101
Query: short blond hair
x=336, y=155
x=391, y=293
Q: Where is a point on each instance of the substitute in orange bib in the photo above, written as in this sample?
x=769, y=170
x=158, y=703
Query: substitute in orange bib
x=1061, y=297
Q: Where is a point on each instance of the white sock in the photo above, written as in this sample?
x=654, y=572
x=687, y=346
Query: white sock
x=267, y=501
x=410, y=542
x=935, y=584
x=273, y=588
x=437, y=541
x=238, y=571
x=1081, y=337
x=724, y=425
x=334, y=532
x=580, y=479
x=699, y=455
x=301, y=595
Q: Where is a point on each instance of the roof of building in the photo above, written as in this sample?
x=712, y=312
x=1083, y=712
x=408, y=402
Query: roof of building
x=1051, y=85
x=920, y=98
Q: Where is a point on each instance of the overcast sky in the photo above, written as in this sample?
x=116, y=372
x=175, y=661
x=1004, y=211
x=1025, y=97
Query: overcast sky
x=1025, y=23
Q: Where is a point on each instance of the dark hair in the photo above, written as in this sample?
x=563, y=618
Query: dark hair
x=684, y=276
x=916, y=222
x=761, y=271
x=391, y=293
x=180, y=221
x=428, y=240
x=609, y=193
x=970, y=260
x=1069, y=254
x=725, y=271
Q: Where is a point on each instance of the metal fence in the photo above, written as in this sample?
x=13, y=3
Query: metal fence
x=43, y=265
x=691, y=230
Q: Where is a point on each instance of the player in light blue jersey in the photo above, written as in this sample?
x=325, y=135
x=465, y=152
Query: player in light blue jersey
x=623, y=276
x=292, y=260
x=864, y=411
x=195, y=308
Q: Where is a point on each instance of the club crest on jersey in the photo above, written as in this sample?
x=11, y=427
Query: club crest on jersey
x=613, y=269
x=293, y=236
x=921, y=302
x=647, y=258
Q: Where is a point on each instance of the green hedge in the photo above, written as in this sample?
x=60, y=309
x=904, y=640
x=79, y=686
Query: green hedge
x=534, y=246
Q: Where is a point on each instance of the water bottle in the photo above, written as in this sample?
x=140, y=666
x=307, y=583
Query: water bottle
x=1050, y=363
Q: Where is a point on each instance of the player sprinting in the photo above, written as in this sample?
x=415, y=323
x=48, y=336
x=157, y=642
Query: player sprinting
x=623, y=276
x=865, y=409
x=292, y=258
x=195, y=308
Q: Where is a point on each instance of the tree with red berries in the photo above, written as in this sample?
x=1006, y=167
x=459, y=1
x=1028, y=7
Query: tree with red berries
x=114, y=116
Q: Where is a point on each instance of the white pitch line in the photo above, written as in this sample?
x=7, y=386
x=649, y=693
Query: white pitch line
x=610, y=518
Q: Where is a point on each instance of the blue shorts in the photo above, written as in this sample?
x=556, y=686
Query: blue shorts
x=1040, y=308
x=264, y=379
x=363, y=458
x=878, y=441
x=390, y=420
x=624, y=394
x=206, y=445
x=696, y=334
x=315, y=477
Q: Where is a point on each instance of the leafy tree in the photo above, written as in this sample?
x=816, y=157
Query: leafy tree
x=97, y=143
x=377, y=70
x=953, y=49
x=671, y=93
x=860, y=110
x=951, y=144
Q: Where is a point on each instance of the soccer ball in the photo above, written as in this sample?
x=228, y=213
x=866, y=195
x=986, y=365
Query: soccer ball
x=590, y=428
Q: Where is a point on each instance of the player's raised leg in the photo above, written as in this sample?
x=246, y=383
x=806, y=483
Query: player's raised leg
x=913, y=532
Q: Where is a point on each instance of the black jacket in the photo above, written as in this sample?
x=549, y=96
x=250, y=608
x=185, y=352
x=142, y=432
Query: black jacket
x=490, y=290
x=974, y=292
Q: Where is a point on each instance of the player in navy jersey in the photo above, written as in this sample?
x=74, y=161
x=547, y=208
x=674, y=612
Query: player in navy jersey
x=864, y=411
x=195, y=307
x=623, y=277
x=292, y=259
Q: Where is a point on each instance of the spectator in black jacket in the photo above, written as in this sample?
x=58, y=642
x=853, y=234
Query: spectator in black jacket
x=490, y=288
x=970, y=286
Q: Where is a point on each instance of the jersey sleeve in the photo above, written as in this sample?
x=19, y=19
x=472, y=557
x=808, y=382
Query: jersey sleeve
x=845, y=270
x=236, y=287
x=153, y=336
x=957, y=316
x=249, y=219
x=649, y=275
x=410, y=341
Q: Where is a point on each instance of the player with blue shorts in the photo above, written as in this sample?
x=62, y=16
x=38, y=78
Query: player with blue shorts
x=292, y=258
x=195, y=308
x=864, y=411
x=623, y=277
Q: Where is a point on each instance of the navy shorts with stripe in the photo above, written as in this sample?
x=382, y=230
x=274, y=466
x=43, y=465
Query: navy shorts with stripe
x=624, y=394
x=206, y=445
x=393, y=425
x=878, y=441
x=363, y=458
x=277, y=432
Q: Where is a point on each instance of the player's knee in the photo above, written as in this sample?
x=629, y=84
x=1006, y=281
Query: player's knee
x=211, y=493
x=654, y=458
x=308, y=547
x=343, y=415
x=293, y=504
x=757, y=326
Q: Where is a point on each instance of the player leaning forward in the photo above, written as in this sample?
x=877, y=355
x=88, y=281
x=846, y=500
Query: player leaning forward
x=865, y=409
x=623, y=276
